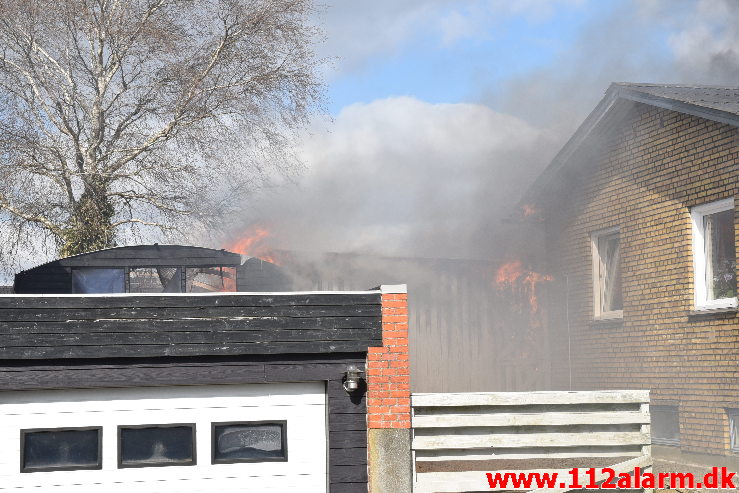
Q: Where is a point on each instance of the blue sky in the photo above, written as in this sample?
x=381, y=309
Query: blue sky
x=439, y=71
x=449, y=55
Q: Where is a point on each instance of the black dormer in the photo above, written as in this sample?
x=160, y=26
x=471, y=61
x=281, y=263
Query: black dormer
x=135, y=269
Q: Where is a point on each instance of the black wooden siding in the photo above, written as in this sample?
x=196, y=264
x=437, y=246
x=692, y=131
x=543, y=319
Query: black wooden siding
x=347, y=428
x=60, y=327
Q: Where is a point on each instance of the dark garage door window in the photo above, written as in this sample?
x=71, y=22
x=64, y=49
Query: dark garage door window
x=156, y=445
x=61, y=449
x=249, y=442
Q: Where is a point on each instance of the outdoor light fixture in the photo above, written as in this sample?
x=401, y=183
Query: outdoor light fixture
x=351, y=379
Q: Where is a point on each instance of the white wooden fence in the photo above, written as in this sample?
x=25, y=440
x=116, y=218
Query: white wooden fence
x=458, y=438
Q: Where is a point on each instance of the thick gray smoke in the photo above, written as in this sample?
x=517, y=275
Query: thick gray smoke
x=403, y=177
x=400, y=176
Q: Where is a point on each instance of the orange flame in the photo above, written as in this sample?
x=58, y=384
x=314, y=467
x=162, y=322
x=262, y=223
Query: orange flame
x=508, y=273
x=253, y=244
x=532, y=213
x=512, y=275
x=529, y=210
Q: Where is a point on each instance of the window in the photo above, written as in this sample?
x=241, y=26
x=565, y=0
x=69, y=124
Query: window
x=154, y=280
x=665, y=425
x=607, y=295
x=97, y=281
x=210, y=279
x=734, y=430
x=156, y=445
x=714, y=255
x=257, y=441
x=61, y=449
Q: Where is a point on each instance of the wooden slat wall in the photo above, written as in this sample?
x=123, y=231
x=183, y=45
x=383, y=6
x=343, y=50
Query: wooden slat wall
x=45, y=327
x=457, y=438
x=462, y=324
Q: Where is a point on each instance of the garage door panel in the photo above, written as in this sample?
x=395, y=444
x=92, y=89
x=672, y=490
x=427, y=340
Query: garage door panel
x=302, y=406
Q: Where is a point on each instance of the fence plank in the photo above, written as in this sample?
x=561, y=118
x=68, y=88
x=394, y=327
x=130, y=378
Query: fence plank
x=529, y=419
x=440, y=482
x=529, y=398
x=626, y=466
x=529, y=440
x=525, y=453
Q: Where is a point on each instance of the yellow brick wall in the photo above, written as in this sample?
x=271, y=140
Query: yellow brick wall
x=656, y=166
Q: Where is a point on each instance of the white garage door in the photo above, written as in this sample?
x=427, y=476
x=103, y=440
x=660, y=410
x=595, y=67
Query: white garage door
x=218, y=438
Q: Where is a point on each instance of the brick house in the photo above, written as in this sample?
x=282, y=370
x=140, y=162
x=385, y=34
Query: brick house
x=640, y=214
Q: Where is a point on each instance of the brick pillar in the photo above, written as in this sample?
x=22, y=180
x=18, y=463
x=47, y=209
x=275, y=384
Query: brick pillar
x=389, y=398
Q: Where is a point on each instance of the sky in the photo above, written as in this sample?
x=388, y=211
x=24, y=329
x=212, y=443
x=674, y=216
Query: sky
x=441, y=112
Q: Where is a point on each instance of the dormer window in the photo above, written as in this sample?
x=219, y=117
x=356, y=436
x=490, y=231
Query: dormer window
x=162, y=279
x=90, y=280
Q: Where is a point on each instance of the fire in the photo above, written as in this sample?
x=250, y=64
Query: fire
x=529, y=210
x=513, y=276
x=254, y=244
x=508, y=273
x=532, y=212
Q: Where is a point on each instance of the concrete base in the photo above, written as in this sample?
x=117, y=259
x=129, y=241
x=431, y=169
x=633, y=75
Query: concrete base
x=672, y=459
x=702, y=461
x=390, y=463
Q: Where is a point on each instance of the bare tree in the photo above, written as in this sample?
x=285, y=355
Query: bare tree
x=144, y=115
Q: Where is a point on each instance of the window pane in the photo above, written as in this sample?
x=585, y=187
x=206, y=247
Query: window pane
x=157, y=446
x=63, y=449
x=234, y=442
x=720, y=255
x=94, y=281
x=154, y=280
x=609, y=251
x=665, y=425
x=734, y=429
x=211, y=279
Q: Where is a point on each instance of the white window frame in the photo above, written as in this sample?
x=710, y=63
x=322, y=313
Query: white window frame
x=597, y=313
x=733, y=438
x=700, y=286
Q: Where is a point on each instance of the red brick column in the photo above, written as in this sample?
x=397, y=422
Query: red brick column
x=388, y=372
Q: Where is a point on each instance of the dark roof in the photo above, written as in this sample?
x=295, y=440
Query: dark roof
x=725, y=99
x=156, y=254
x=719, y=104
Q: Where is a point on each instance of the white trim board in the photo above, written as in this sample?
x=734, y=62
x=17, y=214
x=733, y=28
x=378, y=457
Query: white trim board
x=175, y=295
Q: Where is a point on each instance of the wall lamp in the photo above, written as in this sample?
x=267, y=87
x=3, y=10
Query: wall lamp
x=352, y=379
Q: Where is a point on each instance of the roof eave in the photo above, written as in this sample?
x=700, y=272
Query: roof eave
x=615, y=94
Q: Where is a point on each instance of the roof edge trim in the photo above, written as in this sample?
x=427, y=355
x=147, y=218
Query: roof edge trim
x=620, y=92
